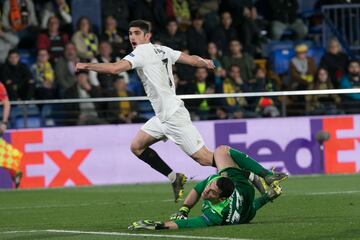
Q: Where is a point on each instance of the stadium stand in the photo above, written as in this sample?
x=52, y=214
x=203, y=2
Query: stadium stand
x=273, y=55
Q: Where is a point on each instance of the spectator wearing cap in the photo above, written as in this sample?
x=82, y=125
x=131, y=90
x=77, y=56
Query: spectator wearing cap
x=302, y=69
x=302, y=73
x=85, y=113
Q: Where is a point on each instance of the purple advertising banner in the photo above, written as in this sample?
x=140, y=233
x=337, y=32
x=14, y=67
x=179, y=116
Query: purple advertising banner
x=98, y=155
x=288, y=144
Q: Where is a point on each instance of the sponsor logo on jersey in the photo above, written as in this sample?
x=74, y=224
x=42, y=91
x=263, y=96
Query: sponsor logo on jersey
x=235, y=203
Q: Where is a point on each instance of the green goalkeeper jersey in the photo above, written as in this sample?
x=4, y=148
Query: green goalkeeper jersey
x=237, y=209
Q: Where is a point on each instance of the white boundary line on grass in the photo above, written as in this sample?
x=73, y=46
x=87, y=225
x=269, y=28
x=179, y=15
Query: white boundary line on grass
x=125, y=234
x=332, y=193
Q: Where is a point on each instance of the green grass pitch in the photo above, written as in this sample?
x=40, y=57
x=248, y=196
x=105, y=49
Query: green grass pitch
x=316, y=207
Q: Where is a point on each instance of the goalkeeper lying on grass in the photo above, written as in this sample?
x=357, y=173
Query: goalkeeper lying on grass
x=228, y=196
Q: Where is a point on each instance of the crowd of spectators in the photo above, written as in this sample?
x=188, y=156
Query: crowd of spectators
x=232, y=33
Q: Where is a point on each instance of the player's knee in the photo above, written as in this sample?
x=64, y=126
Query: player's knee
x=204, y=157
x=222, y=149
x=136, y=149
x=220, y=154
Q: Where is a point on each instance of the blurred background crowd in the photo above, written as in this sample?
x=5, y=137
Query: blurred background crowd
x=42, y=40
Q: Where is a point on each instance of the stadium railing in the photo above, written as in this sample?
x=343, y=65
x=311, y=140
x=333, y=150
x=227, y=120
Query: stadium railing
x=343, y=22
x=47, y=113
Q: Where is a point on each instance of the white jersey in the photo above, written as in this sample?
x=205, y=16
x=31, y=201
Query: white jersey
x=153, y=64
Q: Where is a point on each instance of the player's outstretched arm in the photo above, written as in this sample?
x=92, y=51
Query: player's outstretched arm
x=196, y=61
x=112, y=68
x=195, y=222
x=180, y=220
x=191, y=199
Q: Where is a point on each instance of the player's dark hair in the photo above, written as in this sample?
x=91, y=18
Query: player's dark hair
x=226, y=186
x=143, y=25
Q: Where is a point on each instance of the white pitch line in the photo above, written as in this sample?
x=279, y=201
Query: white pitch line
x=332, y=193
x=22, y=231
x=125, y=234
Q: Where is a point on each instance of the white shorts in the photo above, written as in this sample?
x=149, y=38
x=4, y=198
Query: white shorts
x=178, y=128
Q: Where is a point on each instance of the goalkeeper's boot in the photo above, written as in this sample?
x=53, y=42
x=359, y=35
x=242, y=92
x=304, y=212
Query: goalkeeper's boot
x=274, y=191
x=178, y=186
x=275, y=178
x=260, y=184
x=146, y=224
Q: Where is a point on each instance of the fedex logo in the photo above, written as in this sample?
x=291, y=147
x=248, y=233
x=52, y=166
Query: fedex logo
x=268, y=150
x=342, y=151
x=68, y=166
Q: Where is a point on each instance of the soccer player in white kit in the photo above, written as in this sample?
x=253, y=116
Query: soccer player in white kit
x=153, y=64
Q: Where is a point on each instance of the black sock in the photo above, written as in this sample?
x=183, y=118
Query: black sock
x=154, y=160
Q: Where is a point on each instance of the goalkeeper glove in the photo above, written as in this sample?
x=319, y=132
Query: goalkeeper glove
x=148, y=225
x=181, y=214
